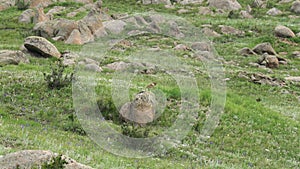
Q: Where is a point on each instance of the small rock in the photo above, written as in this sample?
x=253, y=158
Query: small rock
x=147, y=2
x=274, y=12
x=231, y=30
x=225, y=4
x=296, y=7
x=27, y=16
x=201, y=46
x=298, y=34
x=41, y=46
x=56, y=10
x=246, y=52
x=181, y=47
x=205, y=11
x=40, y=16
x=293, y=78
x=8, y=57
x=272, y=61
x=209, y=32
x=74, y=38
x=284, y=32
x=69, y=58
x=296, y=54
x=264, y=47
x=245, y=14
x=258, y=4
x=182, y=11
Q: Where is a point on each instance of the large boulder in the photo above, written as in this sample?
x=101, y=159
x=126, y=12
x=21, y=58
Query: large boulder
x=225, y=4
x=296, y=7
x=141, y=110
x=41, y=46
x=8, y=57
x=36, y=158
x=283, y=31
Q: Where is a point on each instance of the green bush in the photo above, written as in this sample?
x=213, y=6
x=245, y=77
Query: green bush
x=56, y=163
x=22, y=4
x=57, y=79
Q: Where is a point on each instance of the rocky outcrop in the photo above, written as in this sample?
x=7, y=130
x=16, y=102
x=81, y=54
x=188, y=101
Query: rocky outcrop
x=41, y=46
x=27, y=16
x=8, y=57
x=36, y=158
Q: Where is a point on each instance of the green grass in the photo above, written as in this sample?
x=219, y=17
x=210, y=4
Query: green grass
x=258, y=129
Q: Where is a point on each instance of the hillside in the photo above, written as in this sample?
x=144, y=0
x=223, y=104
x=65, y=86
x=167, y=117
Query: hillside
x=152, y=84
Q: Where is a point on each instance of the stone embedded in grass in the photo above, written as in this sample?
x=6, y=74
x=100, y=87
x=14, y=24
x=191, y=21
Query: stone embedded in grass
x=296, y=7
x=246, y=52
x=264, y=48
x=284, y=32
x=36, y=158
x=229, y=30
x=225, y=4
x=274, y=12
x=8, y=57
x=27, y=16
x=41, y=46
x=141, y=110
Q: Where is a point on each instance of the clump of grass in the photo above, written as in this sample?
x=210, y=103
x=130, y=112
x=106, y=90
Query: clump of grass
x=57, y=79
x=56, y=163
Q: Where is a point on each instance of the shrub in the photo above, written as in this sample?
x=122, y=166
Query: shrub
x=57, y=79
x=22, y=4
x=56, y=163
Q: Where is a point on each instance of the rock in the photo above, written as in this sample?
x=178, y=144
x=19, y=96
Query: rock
x=35, y=158
x=285, y=1
x=298, y=34
x=264, y=47
x=258, y=4
x=40, y=16
x=41, y=46
x=271, y=61
x=27, y=16
x=93, y=22
x=246, y=52
x=225, y=4
x=183, y=11
x=4, y=4
x=209, y=32
x=8, y=57
x=296, y=7
x=205, y=11
x=293, y=78
x=69, y=58
x=274, y=12
x=118, y=66
x=74, y=38
x=141, y=110
x=147, y=2
x=284, y=32
x=296, y=54
x=85, y=32
x=157, y=18
x=245, y=14
x=228, y=30
x=201, y=46
x=91, y=65
x=114, y=26
x=175, y=30
x=181, y=47
x=185, y=2
x=40, y=3
x=56, y=10
x=260, y=78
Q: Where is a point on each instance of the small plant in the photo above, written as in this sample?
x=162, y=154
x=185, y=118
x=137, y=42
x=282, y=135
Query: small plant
x=57, y=79
x=22, y=4
x=56, y=163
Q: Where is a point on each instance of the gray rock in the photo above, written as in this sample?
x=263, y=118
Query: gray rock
x=209, y=32
x=225, y=4
x=201, y=46
x=245, y=14
x=293, y=78
x=283, y=31
x=69, y=58
x=56, y=10
x=8, y=57
x=264, y=48
x=4, y=4
x=296, y=7
x=147, y=2
x=205, y=11
x=74, y=38
x=41, y=46
x=27, y=16
x=296, y=54
x=274, y=12
x=185, y=2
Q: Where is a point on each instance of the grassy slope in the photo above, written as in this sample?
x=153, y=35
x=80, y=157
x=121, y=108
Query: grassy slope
x=251, y=134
